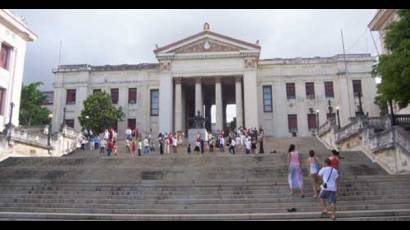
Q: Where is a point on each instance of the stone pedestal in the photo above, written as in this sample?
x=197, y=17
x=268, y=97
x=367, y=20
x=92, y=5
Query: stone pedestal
x=192, y=134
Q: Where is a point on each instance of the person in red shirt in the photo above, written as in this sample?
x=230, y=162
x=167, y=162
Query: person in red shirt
x=133, y=148
x=335, y=160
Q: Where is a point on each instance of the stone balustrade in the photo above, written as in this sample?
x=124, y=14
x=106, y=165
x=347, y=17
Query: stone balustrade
x=385, y=144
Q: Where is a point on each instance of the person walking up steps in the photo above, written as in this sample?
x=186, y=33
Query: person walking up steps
x=314, y=167
x=295, y=176
x=330, y=178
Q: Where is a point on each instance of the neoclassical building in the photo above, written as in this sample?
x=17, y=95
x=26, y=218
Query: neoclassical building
x=286, y=97
x=14, y=36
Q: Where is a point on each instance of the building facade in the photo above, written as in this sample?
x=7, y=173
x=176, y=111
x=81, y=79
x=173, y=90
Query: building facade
x=379, y=23
x=14, y=35
x=286, y=97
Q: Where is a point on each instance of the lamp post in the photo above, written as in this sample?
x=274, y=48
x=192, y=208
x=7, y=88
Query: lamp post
x=359, y=95
x=338, y=117
x=8, y=129
x=50, y=117
x=63, y=123
x=317, y=120
x=330, y=108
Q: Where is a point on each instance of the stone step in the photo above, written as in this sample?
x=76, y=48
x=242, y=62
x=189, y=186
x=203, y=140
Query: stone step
x=382, y=214
x=201, y=210
x=19, y=199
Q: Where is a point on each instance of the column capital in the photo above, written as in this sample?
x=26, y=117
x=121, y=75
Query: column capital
x=178, y=80
x=218, y=79
x=198, y=80
x=238, y=78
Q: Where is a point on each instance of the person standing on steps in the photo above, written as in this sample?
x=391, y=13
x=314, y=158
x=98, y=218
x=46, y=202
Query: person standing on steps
x=260, y=140
x=175, y=142
x=139, y=146
x=295, y=177
x=232, y=146
x=146, y=145
x=330, y=178
x=161, y=143
x=247, y=145
x=202, y=144
x=314, y=167
x=222, y=143
x=133, y=148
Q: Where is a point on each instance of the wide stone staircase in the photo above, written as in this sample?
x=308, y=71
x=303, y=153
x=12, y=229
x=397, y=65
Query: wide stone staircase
x=214, y=186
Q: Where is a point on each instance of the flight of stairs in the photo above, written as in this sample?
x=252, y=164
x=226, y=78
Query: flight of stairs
x=213, y=186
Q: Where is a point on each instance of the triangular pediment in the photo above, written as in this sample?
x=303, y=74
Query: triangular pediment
x=206, y=45
x=207, y=41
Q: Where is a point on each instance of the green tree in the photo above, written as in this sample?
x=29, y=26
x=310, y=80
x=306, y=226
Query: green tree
x=31, y=111
x=394, y=67
x=99, y=113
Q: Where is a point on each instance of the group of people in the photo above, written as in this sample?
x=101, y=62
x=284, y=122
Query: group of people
x=239, y=140
x=105, y=141
x=324, y=177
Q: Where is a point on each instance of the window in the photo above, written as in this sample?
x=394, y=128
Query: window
x=95, y=91
x=131, y=123
x=70, y=123
x=267, y=98
x=292, y=122
x=114, y=96
x=312, y=123
x=132, y=95
x=329, y=89
x=357, y=88
x=5, y=56
x=2, y=100
x=290, y=90
x=154, y=95
x=310, y=90
x=70, y=97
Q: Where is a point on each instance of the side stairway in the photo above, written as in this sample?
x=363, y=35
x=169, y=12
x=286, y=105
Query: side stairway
x=212, y=186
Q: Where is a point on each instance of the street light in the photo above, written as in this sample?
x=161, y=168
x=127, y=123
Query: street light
x=8, y=127
x=317, y=120
x=63, y=123
x=50, y=117
x=338, y=117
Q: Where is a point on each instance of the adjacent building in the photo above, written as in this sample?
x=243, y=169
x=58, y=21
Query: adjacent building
x=14, y=35
x=285, y=96
x=379, y=23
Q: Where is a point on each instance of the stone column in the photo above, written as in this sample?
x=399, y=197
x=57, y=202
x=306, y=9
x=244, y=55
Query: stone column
x=178, y=105
x=250, y=98
x=165, y=103
x=218, y=104
x=238, y=102
x=198, y=97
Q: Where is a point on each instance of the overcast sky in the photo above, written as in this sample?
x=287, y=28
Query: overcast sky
x=100, y=37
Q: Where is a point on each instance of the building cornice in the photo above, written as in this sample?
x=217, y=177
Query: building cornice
x=380, y=18
x=317, y=60
x=16, y=25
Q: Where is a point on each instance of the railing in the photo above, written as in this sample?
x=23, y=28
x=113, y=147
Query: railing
x=378, y=123
x=403, y=138
x=324, y=128
x=381, y=140
x=351, y=129
x=402, y=120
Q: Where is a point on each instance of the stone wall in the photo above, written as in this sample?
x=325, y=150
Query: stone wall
x=33, y=143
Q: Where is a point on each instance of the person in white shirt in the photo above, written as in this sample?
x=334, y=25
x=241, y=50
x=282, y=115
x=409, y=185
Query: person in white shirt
x=128, y=134
x=222, y=144
x=232, y=146
x=248, y=145
x=329, y=186
x=175, y=142
x=146, y=145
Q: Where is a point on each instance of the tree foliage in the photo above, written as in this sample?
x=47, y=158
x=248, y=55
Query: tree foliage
x=99, y=114
x=394, y=67
x=31, y=111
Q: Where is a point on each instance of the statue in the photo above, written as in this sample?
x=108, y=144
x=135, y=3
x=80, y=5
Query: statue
x=199, y=121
